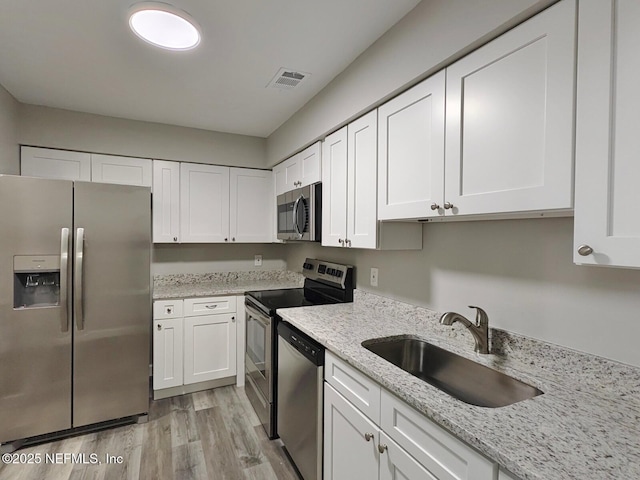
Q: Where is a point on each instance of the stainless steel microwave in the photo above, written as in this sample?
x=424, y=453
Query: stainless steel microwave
x=300, y=214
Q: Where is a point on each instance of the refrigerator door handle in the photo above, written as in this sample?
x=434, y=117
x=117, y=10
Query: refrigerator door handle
x=77, y=279
x=64, y=278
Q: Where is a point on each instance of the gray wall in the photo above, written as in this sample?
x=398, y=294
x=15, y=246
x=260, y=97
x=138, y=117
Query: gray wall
x=64, y=129
x=431, y=36
x=520, y=271
x=201, y=258
x=9, y=150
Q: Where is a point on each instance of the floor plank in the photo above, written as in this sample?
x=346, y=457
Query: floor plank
x=206, y=435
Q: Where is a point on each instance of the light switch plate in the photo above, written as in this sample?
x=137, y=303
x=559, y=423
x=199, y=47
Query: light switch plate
x=374, y=277
x=257, y=260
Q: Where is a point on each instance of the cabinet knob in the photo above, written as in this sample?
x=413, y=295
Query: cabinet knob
x=175, y=239
x=348, y=242
x=226, y=239
x=159, y=327
x=341, y=242
x=435, y=206
x=233, y=239
x=585, y=250
x=382, y=447
x=368, y=436
x=447, y=206
x=233, y=319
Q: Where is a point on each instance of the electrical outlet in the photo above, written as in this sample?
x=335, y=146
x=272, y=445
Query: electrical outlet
x=374, y=277
x=257, y=260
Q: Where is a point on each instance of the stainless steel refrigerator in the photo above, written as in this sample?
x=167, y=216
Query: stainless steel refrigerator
x=75, y=305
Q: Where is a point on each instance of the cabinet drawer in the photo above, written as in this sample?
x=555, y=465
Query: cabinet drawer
x=440, y=452
x=356, y=387
x=208, y=306
x=167, y=309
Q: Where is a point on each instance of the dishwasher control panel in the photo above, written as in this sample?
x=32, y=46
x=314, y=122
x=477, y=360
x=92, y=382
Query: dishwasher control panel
x=304, y=344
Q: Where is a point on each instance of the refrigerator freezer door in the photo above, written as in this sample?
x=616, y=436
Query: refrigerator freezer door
x=111, y=348
x=35, y=343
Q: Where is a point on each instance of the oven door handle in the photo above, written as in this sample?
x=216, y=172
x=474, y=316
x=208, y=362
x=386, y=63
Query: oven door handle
x=296, y=205
x=261, y=319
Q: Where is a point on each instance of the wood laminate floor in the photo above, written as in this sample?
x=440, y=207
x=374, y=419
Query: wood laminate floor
x=213, y=434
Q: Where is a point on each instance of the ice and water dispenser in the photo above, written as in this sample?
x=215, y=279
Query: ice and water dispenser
x=36, y=281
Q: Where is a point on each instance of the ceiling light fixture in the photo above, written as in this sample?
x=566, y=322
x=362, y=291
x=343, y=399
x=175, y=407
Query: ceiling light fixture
x=164, y=26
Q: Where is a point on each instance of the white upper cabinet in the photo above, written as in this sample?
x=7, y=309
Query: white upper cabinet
x=607, y=223
x=280, y=179
x=349, y=193
x=204, y=203
x=121, y=170
x=310, y=160
x=166, y=202
x=509, y=121
x=195, y=203
x=300, y=170
x=250, y=213
x=60, y=164
x=362, y=155
x=411, y=152
x=334, y=189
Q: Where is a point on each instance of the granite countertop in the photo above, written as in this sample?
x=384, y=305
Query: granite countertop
x=586, y=425
x=225, y=283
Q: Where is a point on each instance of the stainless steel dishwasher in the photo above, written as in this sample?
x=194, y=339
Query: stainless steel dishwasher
x=300, y=375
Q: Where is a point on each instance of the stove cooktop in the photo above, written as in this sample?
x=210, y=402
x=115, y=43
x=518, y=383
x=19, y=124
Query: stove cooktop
x=270, y=300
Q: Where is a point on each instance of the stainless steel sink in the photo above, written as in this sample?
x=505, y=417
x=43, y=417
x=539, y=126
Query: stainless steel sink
x=461, y=378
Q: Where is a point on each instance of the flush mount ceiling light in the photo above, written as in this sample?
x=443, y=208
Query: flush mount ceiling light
x=164, y=26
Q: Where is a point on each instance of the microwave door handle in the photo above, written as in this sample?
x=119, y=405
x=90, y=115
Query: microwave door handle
x=77, y=280
x=64, y=279
x=296, y=205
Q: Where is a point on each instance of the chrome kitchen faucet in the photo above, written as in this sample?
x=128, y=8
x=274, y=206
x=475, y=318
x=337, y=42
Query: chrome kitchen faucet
x=480, y=330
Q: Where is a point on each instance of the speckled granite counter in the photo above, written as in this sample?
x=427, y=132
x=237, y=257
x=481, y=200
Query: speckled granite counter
x=226, y=283
x=586, y=425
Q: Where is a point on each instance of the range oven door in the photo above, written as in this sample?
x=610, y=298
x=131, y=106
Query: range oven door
x=259, y=365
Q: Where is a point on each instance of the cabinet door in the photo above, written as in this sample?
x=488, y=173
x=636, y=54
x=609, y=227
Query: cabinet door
x=166, y=202
x=347, y=452
x=121, y=170
x=334, y=189
x=209, y=347
x=280, y=179
x=397, y=464
x=60, y=164
x=362, y=218
x=204, y=203
x=310, y=164
x=505, y=475
x=167, y=353
x=251, y=205
x=509, y=142
x=293, y=173
x=411, y=152
x=607, y=166
x=441, y=453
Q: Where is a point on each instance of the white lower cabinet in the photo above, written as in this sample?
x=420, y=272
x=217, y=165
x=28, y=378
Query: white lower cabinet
x=347, y=452
x=167, y=353
x=210, y=347
x=402, y=444
x=193, y=348
x=505, y=475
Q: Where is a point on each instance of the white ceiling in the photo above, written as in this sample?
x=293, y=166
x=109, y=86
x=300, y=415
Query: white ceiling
x=80, y=55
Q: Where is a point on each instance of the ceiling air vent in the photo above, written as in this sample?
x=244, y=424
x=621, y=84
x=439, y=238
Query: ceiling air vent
x=288, y=79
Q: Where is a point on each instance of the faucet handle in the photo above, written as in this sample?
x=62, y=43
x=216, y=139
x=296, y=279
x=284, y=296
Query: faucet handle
x=482, y=319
